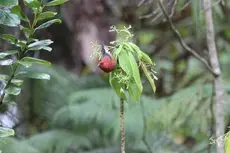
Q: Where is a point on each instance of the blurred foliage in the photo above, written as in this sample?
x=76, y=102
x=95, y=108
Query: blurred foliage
x=80, y=114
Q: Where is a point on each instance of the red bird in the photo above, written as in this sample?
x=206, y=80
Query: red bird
x=107, y=63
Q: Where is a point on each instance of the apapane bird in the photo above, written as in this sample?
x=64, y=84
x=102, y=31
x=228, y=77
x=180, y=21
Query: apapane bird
x=107, y=62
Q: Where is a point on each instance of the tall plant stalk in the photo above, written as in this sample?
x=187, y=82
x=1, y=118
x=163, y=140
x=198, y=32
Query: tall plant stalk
x=218, y=88
x=122, y=126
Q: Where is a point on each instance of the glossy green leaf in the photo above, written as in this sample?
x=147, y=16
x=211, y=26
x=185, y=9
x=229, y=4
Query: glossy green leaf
x=36, y=60
x=34, y=4
x=9, y=19
x=13, y=90
x=48, y=23
x=17, y=82
x=22, y=44
x=8, y=53
x=40, y=48
x=8, y=2
x=27, y=31
x=25, y=64
x=10, y=38
x=34, y=75
x=117, y=87
x=18, y=11
x=38, y=45
x=6, y=62
x=46, y=15
x=6, y=132
x=56, y=2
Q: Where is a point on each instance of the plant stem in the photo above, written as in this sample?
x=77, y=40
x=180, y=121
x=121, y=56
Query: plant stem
x=122, y=127
x=8, y=83
x=218, y=87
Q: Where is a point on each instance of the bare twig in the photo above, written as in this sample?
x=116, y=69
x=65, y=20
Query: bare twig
x=173, y=8
x=219, y=91
x=122, y=127
x=183, y=44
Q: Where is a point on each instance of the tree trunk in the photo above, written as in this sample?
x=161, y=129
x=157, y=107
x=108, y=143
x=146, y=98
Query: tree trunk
x=89, y=21
x=219, y=92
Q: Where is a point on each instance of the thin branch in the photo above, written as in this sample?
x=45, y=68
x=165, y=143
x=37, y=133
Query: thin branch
x=173, y=8
x=8, y=84
x=122, y=127
x=183, y=44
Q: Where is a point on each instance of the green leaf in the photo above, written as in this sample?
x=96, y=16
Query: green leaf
x=36, y=60
x=148, y=76
x=129, y=65
x=25, y=64
x=9, y=19
x=38, y=45
x=117, y=51
x=134, y=92
x=145, y=58
x=8, y=2
x=27, y=31
x=40, y=48
x=10, y=38
x=48, y=23
x=227, y=142
x=117, y=87
x=13, y=90
x=6, y=132
x=56, y=2
x=142, y=55
x=17, y=82
x=8, y=53
x=4, y=77
x=34, y=75
x=6, y=62
x=135, y=49
x=9, y=98
x=22, y=44
x=46, y=15
x=135, y=71
x=125, y=63
x=18, y=11
x=34, y=4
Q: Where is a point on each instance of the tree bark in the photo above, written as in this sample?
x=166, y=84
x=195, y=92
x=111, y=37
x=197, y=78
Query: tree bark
x=218, y=88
